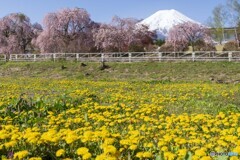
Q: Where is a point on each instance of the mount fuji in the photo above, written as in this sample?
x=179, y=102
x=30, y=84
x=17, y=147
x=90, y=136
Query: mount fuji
x=162, y=21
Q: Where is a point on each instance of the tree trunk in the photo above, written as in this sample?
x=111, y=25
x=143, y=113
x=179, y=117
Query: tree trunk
x=66, y=44
x=192, y=46
x=223, y=36
x=236, y=36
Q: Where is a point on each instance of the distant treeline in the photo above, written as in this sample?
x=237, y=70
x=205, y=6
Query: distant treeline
x=71, y=31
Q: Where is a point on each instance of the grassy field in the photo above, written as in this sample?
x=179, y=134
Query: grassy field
x=127, y=111
x=219, y=72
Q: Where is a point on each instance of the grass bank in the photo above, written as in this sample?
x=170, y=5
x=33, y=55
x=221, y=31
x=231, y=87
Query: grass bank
x=219, y=72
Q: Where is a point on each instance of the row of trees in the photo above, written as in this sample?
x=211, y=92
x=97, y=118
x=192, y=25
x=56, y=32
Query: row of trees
x=72, y=30
x=69, y=31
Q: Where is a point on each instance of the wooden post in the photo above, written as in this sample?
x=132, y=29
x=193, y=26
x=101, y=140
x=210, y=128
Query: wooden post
x=34, y=57
x=160, y=56
x=129, y=57
x=77, y=56
x=54, y=57
x=102, y=57
x=229, y=56
x=193, y=56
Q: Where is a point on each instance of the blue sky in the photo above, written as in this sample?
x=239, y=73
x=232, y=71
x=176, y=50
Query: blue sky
x=104, y=10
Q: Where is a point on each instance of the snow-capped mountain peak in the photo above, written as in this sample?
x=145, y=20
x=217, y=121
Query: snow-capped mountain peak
x=162, y=21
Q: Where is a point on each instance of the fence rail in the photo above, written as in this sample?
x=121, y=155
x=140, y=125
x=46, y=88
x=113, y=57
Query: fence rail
x=126, y=56
x=3, y=57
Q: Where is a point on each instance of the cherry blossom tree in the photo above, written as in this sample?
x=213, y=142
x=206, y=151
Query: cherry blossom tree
x=104, y=38
x=37, y=30
x=143, y=37
x=121, y=34
x=176, y=40
x=16, y=33
x=187, y=33
x=67, y=30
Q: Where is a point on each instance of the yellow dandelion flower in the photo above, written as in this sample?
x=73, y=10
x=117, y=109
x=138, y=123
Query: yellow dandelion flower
x=133, y=147
x=233, y=158
x=87, y=156
x=100, y=157
x=147, y=154
x=161, y=143
x=60, y=152
x=109, y=141
x=182, y=152
x=110, y=149
x=237, y=149
x=164, y=148
x=20, y=154
x=82, y=151
x=10, y=144
x=35, y=158
x=149, y=145
x=169, y=155
x=218, y=149
x=139, y=155
x=200, y=152
x=71, y=138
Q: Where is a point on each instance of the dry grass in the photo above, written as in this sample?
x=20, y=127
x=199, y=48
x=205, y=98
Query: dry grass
x=219, y=47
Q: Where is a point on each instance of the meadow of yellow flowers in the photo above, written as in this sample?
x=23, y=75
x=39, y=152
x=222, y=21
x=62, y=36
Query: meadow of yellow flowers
x=76, y=119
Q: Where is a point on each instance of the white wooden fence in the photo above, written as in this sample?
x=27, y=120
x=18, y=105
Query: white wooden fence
x=126, y=56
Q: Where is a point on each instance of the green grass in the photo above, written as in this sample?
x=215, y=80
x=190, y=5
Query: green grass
x=220, y=72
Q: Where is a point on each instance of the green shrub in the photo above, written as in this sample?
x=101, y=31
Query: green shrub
x=160, y=42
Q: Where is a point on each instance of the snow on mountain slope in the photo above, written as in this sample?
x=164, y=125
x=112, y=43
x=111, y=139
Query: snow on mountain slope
x=163, y=20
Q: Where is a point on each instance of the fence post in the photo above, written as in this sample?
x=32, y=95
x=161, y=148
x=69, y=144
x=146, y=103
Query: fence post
x=34, y=57
x=129, y=57
x=160, y=56
x=77, y=56
x=102, y=57
x=193, y=56
x=229, y=56
x=54, y=57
